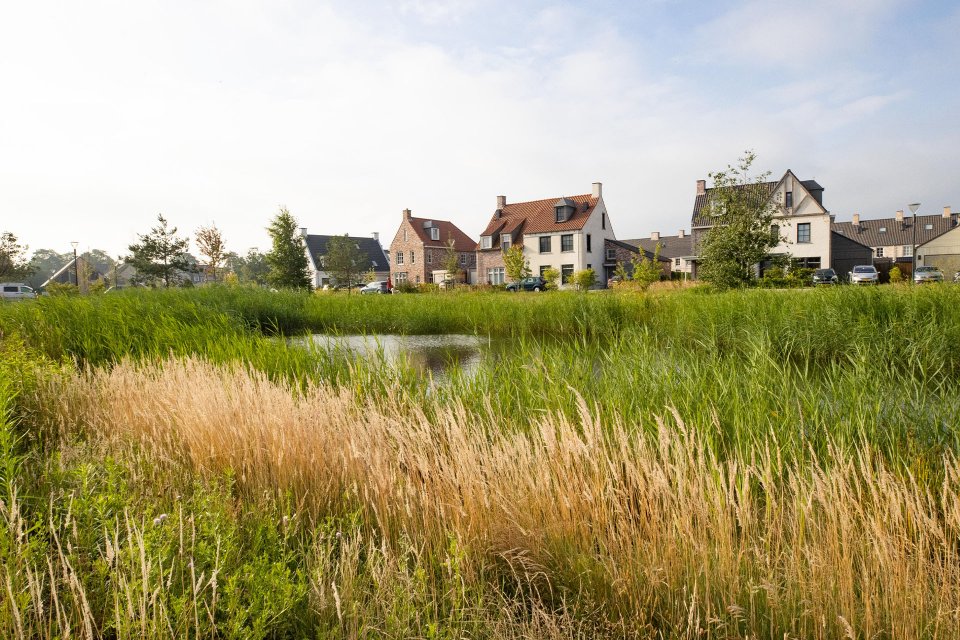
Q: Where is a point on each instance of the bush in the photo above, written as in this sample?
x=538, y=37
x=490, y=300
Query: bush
x=585, y=279
x=896, y=275
x=552, y=276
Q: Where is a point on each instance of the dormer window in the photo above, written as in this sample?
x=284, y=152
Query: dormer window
x=486, y=242
x=788, y=200
x=434, y=233
x=883, y=229
x=505, y=241
x=564, y=209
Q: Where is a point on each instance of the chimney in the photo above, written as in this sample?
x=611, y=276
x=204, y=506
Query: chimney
x=701, y=187
x=501, y=202
x=900, y=215
x=856, y=220
x=406, y=214
x=655, y=235
x=681, y=234
x=376, y=236
x=597, y=189
x=946, y=212
x=303, y=231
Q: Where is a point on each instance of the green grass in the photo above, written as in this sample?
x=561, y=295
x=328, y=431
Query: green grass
x=802, y=376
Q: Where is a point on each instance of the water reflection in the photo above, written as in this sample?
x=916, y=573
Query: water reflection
x=435, y=355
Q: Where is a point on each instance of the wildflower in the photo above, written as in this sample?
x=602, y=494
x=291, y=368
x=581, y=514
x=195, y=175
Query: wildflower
x=159, y=519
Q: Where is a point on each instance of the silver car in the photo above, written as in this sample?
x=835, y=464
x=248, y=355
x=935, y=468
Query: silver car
x=927, y=274
x=864, y=274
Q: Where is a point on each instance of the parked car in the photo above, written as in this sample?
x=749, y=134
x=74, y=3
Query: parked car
x=17, y=291
x=534, y=283
x=612, y=281
x=377, y=286
x=825, y=276
x=927, y=274
x=864, y=274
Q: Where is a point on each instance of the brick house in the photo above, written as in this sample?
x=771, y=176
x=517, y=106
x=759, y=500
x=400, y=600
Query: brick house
x=420, y=248
x=566, y=233
x=625, y=252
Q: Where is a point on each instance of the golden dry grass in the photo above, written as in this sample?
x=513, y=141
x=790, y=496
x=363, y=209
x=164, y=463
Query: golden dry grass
x=653, y=533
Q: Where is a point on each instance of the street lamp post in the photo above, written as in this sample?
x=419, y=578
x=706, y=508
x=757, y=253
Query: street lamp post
x=913, y=249
x=76, y=266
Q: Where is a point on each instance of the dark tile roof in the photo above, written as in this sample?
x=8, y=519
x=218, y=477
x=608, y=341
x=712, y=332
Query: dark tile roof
x=629, y=246
x=763, y=191
x=896, y=233
x=317, y=245
x=448, y=231
x=539, y=216
x=670, y=246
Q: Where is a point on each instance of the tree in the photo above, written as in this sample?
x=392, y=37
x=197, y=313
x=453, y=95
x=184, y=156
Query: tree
x=516, y=266
x=287, y=259
x=13, y=258
x=210, y=244
x=45, y=263
x=451, y=261
x=251, y=268
x=647, y=271
x=344, y=260
x=552, y=276
x=160, y=256
x=621, y=272
x=742, y=235
x=584, y=279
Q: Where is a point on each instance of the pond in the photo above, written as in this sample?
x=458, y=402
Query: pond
x=433, y=355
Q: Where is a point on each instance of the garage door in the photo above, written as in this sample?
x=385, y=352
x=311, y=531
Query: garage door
x=949, y=263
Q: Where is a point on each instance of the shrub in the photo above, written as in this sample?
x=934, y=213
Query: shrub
x=584, y=279
x=552, y=276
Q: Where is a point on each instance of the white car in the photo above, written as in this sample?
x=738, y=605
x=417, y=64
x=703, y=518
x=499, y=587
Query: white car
x=864, y=274
x=17, y=291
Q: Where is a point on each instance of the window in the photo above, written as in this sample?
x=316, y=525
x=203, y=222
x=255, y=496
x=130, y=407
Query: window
x=611, y=254
x=603, y=220
x=463, y=258
x=908, y=250
x=566, y=271
x=879, y=252
x=928, y=227
x=399, y=257
x=429, y=257
x=883, y=229
x=676, y=262
x=486, y=242
x=505, y=241
x=413, y=258
x=566, y=242
x=400, y=277
x=775, y=233
x=588, y=244
x=418, y=279
x=434, y=233
x=803, y=232
x=404, y=235
x=543, y=269
x=546, y=244
x=788, y=201
x=495, y=275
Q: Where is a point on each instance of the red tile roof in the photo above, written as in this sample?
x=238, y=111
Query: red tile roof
x=539, y=216
x=448, y=230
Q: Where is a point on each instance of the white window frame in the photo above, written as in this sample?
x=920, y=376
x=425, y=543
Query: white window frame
x=413, y=257
x=434, y=233
x=399, y=260
x=505, y=241
x=486, y=242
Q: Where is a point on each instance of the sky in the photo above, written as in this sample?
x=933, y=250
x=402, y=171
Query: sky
x=348, y=112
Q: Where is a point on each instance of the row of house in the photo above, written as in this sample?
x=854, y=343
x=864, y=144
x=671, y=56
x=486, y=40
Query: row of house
x=570, y=233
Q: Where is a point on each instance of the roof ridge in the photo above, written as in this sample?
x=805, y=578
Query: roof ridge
x=555, y=198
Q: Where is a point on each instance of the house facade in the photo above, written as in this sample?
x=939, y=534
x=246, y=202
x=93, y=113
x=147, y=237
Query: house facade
x=316, y=248
x=568, y=233
x=892, y=239
x=800, y=219
x=625, y=252
x=420, y=248
x=943, y=251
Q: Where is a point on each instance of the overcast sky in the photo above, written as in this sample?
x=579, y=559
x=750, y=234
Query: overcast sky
x=348, y=112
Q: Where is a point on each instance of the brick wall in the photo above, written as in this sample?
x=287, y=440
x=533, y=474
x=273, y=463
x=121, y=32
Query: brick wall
x=418, y=267
x=487, y=259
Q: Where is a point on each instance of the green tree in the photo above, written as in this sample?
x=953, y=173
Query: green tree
x=13, y=258
x=160, y=256
x=287, y=259
x=584, y=279
x=210, y=244
x=645, y=270
x=516, y=266
x=44, y=263
x=742, y=235
x=451, y=262
x=552, y=277
x=344, y=260
x=896, y=276
x=621, y=271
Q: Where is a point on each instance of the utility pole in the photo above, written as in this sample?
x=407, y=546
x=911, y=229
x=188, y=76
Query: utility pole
x=76, y=266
